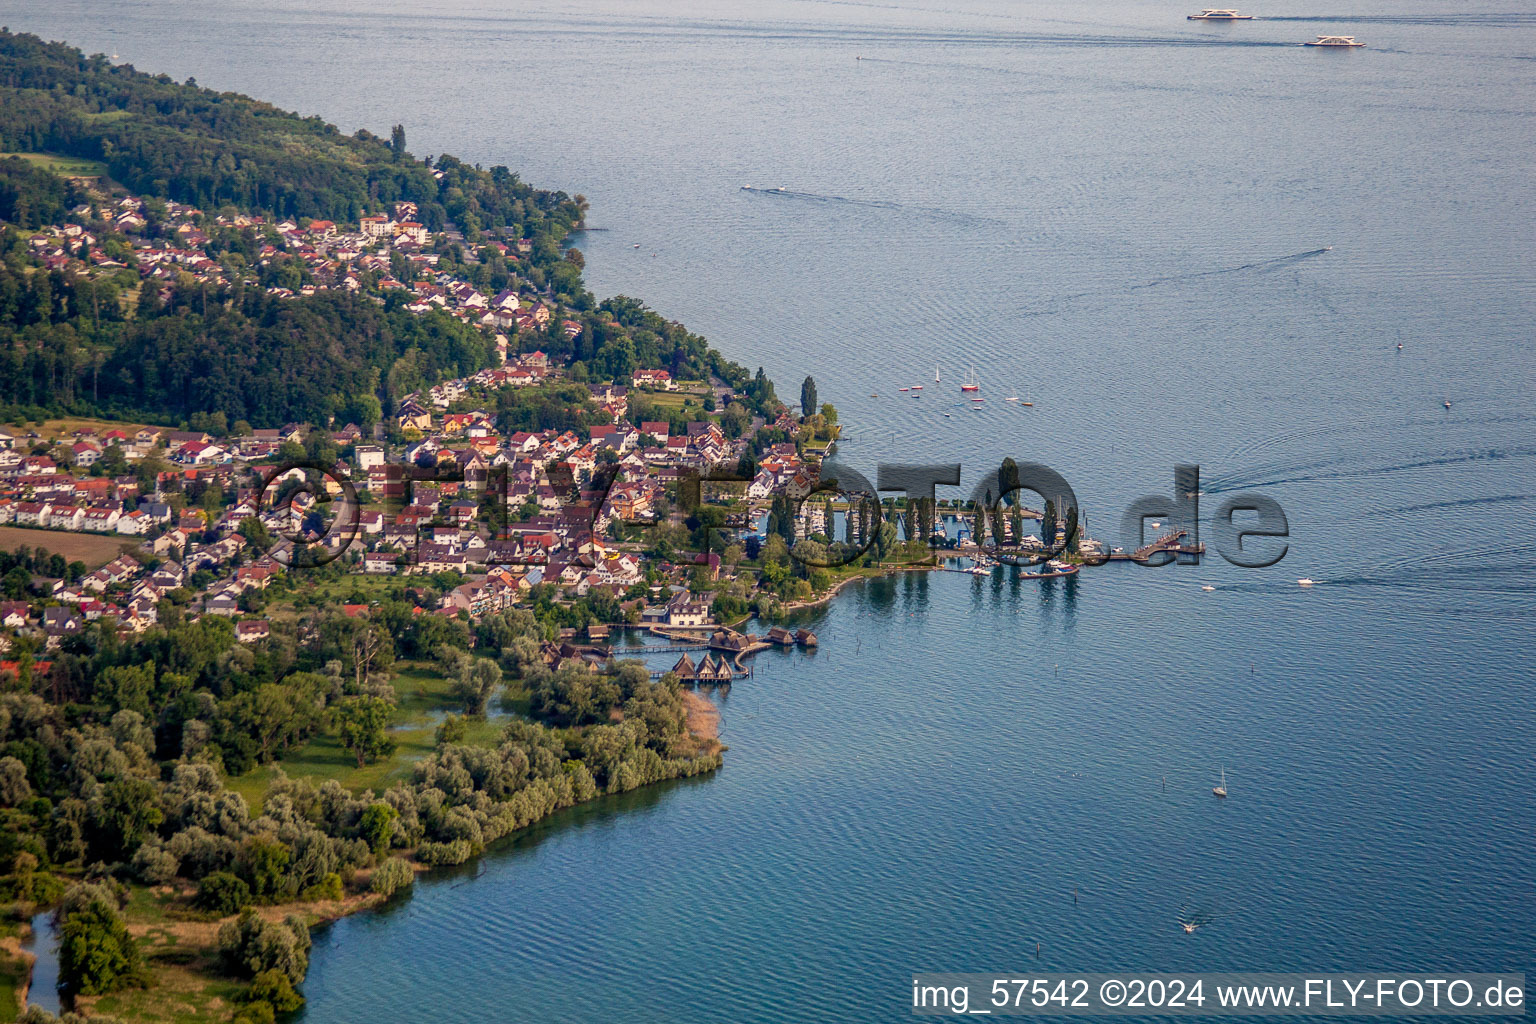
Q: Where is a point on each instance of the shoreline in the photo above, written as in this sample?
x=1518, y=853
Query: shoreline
x=836, y=588
x=703, y=720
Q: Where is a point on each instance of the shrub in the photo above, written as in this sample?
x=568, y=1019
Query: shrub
x=328, y=888
x=274, y=989
x=264, y=864
x=96, y=953
x=392, y=876
x=452, y=730
x=378, y=825
x=438, y=854
x=154, y=863
x=222, y=893
x=258, y=1012
x=251, y=945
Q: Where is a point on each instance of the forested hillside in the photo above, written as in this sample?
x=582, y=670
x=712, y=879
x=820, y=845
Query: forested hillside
x=207, y=148
x=248, y=332
x=251, y=356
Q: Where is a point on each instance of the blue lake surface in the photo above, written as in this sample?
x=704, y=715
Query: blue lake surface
x=1123, y=216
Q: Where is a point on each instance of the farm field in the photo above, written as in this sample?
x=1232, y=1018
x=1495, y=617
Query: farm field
x=94, y=549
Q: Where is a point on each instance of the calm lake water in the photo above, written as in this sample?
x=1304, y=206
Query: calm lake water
x=1117, y=213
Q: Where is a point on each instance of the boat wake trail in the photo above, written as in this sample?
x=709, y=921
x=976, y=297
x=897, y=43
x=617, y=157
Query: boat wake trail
x=1513, y=20
x=1158, y=282
x=1257, y=265
x=1443, y=559
x=879, y=204
x=873, y=204
x=1438, y=506
x=1381, y=426
x=1505, y=570
x=1221, y=484
x=1505, y=580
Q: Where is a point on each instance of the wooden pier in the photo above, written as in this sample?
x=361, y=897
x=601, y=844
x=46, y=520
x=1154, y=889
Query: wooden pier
x=1172, y=543
x=729, y=643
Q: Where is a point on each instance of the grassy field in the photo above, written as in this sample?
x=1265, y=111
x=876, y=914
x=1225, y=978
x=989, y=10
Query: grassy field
x=61, y=428
x=69, y=166
x=367, y=586
x=94, y=549
x=676, y=400
x=180, y=947
x=424, y=701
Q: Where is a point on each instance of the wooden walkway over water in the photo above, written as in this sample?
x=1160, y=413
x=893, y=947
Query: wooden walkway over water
x=698, y=639
x=1172, y=543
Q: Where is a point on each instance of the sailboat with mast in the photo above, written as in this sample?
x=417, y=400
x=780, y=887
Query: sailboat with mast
x=971, y=383
x=1221, y=789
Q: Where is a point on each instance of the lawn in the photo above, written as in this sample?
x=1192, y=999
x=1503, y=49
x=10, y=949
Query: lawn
x=69, y=166
x=424, y=701
x=94, y=549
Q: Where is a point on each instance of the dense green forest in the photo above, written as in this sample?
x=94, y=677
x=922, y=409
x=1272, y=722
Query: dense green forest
x=31, y=196
x=209, y=149
x=252, y=356
x=72, y=343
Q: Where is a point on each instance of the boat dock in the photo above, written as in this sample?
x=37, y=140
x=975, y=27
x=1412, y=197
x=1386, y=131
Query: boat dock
x=1170, y=542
